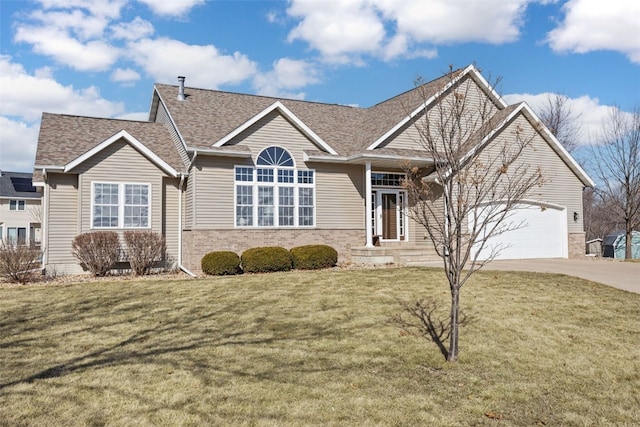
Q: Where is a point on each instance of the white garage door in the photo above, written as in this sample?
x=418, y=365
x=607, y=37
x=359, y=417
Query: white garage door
x=541, y=233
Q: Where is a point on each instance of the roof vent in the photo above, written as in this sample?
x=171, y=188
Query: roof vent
x=181, y=89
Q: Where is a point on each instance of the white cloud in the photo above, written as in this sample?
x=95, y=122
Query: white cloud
x=338, y=29
x=26, y=96
x=107, y=8
x=287, y=75
x=84, y=26
x=124, y=75
x=204, y=66
x=134, y=30
x=140, y=116
x=589, y=112
x=591, y=25
x=18, y=142
x=445, y=21
x=171, y=7
x=72, y=38
x=91, y=56
x=408, y=28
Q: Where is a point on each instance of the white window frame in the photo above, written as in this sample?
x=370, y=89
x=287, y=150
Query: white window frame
x=121, y=206
x=376, y=201
x=276, y=186
x=17, y=205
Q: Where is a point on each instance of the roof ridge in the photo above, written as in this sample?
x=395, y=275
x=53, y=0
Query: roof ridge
x=95, y=117
x=275, y=98
x=449, y=74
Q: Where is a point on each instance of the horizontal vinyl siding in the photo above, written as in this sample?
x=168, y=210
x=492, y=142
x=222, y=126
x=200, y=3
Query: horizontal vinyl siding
x=561, y=186
x=171, y=216
x=213, y=198
x=410, y=138
x=62, y=218
x=190, y=200
x=119, y=163
x=213, y=178
x=273, y=129
x=340, y=196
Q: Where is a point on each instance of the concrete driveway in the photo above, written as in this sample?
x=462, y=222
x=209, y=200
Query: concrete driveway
x=621, y=275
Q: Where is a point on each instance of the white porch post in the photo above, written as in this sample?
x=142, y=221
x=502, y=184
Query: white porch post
x=368, y=210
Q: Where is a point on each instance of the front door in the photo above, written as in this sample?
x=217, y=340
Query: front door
x=390, y=216
x=390, y=221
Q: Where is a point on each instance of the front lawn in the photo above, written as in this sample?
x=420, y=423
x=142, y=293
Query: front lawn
x=317, y=348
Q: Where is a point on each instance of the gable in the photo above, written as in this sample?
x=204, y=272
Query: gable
x=98, y=154
x=470, y=84
x=274, y=129
x=119, y=158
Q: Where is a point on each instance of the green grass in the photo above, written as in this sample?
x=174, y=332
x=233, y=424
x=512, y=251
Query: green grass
x=317, y=348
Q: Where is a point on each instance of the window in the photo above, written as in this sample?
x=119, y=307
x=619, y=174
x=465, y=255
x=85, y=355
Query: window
x=387, y=179
x=274, y=193
x=16, y=205
x=120, y=205
x=16, y=235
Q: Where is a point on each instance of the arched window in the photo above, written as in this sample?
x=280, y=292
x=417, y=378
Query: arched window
x=275, y=156
x=275, y=193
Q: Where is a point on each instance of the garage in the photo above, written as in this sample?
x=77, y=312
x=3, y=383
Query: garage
x=540, y=232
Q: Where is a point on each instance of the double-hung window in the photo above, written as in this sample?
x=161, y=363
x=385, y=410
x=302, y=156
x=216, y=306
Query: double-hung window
x=274, y=193
x=16, y=205
x=120, y=205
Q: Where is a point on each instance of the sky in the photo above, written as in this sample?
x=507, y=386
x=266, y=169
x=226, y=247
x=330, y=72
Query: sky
x=101, y=58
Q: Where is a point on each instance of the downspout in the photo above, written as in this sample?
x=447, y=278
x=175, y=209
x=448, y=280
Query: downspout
x=180, y=266
x=45, y=220
x=369, y=212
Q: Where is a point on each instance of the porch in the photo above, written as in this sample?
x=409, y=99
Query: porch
x=401, y=254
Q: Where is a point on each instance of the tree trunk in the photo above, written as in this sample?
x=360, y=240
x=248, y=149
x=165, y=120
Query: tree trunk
x=629, y=241
x=452, y=355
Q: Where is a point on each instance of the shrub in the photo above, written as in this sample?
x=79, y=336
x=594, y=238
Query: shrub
x=144, y=249
x=97, y=251
x=221, y=263
x=264, y=259
x=313, y=257
x=19, y=263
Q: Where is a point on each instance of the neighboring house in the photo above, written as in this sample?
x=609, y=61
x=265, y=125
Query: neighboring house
x=20, y=210
x=614, y=245
x=215, y=170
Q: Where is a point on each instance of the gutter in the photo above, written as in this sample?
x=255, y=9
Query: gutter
x=180, y=265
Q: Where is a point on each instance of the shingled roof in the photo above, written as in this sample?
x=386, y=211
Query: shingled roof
x=64, y=138
x=17, y=185
x=207, y=116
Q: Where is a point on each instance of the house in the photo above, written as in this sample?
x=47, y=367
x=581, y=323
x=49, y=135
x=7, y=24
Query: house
x=19, y=208
x=214, y=170
x=614, y=245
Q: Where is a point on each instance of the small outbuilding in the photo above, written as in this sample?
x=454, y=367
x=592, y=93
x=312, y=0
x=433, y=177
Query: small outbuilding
x=614, y=244
x=594, y=247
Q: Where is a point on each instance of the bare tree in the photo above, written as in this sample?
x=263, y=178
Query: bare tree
x=617, y=165
x=473, y=167
x=558, y=116
x=597, y=208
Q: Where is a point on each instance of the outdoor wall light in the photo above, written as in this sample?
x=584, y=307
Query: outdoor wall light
x=575, y=216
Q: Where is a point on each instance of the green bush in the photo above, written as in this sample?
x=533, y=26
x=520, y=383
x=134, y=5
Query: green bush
x=313, y=257
x=264, y=259
x=221, y=263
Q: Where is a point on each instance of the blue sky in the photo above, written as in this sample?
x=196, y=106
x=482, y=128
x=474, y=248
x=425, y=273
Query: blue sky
x=101, y=58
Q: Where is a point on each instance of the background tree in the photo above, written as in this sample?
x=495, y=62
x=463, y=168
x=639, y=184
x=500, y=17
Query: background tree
x=616, y=164
x=557, y=115
x=448, y=199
